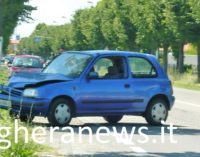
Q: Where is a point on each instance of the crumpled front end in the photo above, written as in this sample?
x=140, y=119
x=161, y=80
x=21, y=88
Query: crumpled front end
x=6, y=95
x=12, y=99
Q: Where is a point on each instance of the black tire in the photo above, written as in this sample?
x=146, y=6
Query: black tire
x=60, y=112
x=156, y=111
x=113, y=119
x=26, y=118
x=23, y=118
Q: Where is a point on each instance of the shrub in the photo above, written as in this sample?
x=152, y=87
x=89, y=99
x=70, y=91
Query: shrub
x=20, y=149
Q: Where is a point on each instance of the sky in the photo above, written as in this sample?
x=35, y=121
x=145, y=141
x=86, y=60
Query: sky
x=52, y=12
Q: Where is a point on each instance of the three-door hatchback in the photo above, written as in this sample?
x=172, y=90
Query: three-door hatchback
x=110, y=84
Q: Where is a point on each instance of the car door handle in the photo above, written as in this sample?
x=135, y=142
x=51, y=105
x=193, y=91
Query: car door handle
x=127, y=85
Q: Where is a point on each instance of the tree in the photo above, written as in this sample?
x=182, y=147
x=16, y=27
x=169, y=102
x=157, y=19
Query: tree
x=11, y=12
x=153, y=21
x=126, y=25
x=90, y=25
x=195, y=4
x=182, y=29
x=116, y=27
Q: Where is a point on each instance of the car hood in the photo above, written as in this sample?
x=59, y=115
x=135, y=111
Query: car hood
x=22, y=80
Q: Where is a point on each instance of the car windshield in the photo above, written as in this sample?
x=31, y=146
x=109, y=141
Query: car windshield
x=28, y=62
x=68, y=64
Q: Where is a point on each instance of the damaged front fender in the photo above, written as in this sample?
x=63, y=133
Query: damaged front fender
x=8, y=94
x=12, y=99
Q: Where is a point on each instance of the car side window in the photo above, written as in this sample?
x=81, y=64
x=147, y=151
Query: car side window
x=141, y=68
x=101, y=66
x=110, y=68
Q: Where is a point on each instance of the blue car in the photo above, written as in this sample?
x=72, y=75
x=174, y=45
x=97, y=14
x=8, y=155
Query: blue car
x=110, y=84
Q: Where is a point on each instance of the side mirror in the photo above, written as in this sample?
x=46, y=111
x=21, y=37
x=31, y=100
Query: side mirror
x=92, y=75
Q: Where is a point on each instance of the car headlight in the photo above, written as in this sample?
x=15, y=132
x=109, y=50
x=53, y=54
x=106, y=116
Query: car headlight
x=30, y=92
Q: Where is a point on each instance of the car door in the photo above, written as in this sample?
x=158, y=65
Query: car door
x=143, y=81
x=109, y=91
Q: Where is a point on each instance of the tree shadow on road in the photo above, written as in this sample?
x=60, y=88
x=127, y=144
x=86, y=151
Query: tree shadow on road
x=151, y=130
x=127, y=154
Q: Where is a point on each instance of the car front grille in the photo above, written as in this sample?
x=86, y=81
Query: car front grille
x=11, y=91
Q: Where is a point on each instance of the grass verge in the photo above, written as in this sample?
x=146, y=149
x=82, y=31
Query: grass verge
x=187, y=81
x=3, y=75
x=20, y=149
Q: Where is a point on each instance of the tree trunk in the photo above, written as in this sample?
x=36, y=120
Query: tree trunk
x=177, y=64
x=198, y=62
x=1, y=18
x=165, y=58
x=181, y=58
x=175, y=50
x=1, y=29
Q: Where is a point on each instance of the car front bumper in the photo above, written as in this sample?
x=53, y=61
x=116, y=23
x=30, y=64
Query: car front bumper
x=12, y=99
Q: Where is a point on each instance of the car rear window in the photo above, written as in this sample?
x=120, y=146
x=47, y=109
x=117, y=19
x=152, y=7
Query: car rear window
x=141, y=68
x=27, y=62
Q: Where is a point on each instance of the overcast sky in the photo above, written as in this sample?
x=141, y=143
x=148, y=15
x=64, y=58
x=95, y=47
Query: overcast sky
x=52, y=12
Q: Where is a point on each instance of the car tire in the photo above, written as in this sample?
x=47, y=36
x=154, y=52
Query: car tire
x=113, y=119
x=23, y=118
x=156, y=112
x=60, y=112
x=26, y=118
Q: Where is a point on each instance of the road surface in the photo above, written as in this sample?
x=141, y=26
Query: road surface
x=185, y=115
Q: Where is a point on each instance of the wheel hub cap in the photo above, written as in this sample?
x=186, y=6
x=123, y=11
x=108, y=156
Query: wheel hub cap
x=62, y=113
x=159, y=112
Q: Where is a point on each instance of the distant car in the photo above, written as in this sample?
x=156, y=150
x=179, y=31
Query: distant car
x=26, y=63
x=92, y=83
x=2, y=59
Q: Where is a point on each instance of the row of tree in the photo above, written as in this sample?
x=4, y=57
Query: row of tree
x=12, y=12
x=134, y=25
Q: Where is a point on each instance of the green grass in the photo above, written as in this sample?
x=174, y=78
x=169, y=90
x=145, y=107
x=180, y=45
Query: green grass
x=191, y=50
x=20, y=149
x=4, y=72
x=187, y=81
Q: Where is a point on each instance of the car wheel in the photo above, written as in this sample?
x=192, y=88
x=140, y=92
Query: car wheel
x=26, y=118
x=113, y=119
x=60, y=113
x=156, y=112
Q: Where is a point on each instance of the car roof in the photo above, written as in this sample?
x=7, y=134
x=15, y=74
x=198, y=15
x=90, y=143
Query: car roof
x=26, y=56
x=110, y=52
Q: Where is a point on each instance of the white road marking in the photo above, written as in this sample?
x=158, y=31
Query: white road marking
x=138, y=149
x=126, y=141
x=187, y=103
x=185, y=90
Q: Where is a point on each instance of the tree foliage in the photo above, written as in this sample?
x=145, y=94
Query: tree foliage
x=134, y=25
x=11, y=12
x=195, y=4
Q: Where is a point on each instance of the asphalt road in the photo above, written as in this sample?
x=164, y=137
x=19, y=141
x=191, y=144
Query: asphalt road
x=185, y=115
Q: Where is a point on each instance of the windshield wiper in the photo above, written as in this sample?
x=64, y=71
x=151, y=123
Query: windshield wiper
x=24, y=66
